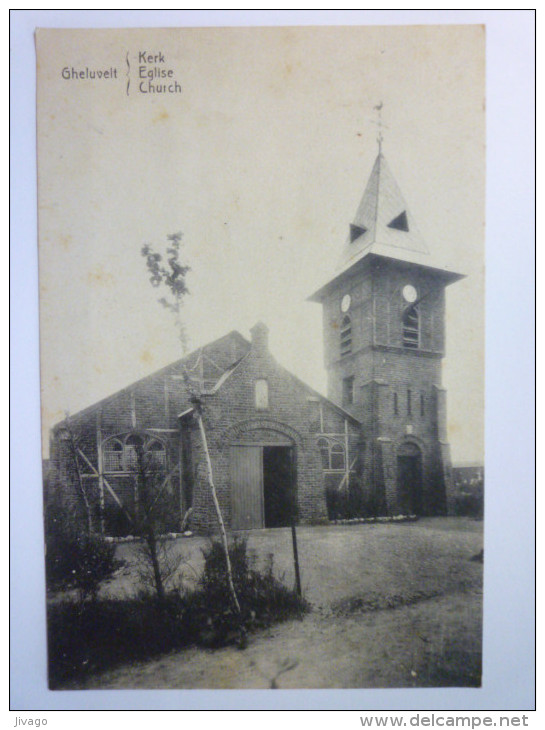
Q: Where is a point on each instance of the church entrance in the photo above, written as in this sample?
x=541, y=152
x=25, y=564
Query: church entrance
x=262, y=486
x=277, y=485
x=409, y=479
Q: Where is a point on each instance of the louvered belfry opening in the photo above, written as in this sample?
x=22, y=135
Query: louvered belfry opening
x=356, y=232
x=400, y=222
x=411, y=328
x=346, y=336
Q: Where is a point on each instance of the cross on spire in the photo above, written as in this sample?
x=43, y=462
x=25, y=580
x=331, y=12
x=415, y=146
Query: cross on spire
x=380, y=124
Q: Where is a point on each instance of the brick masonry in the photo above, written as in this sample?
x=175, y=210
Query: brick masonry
x=398, y=395
x=295, y=416
x=398, y=406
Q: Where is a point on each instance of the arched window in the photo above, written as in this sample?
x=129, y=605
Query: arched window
x=113, y=455
x=346, y=336
x=120, y=453
x=332, y=455
x=157, y=450
x=323, y=445
x=337, y=457
x=411, y=328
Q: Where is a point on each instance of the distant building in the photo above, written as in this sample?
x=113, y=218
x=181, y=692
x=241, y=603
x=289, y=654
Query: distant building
x=468, y=478
x=277, y=446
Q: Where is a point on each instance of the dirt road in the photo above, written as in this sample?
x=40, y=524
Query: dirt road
x=431, y=638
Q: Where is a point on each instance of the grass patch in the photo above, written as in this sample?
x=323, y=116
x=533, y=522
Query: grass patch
x=86, y=637
x=374, y=601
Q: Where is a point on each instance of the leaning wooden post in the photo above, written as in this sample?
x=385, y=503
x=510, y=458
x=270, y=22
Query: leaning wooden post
x=210, y=475
x=293, y=533
x=296, y=558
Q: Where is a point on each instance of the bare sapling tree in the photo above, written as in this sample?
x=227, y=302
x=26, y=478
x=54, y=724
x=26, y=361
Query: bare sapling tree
x=154, y=505
x=172, y=277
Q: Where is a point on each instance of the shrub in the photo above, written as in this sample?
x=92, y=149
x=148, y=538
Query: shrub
x=79, y=561
x=73, y=559
x=468, y=505
x=262, y=597
x=352, y=502
x=92, y=636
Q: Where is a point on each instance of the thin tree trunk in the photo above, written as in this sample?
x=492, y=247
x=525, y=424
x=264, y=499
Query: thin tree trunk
x=144, y=517
x=152, y=546
x=218, y=512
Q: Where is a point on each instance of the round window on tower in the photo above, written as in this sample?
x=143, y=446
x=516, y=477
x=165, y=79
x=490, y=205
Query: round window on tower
x=409, y=293
x=345, y=303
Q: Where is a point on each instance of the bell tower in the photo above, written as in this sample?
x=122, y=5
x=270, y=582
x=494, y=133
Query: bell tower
x=384, y=339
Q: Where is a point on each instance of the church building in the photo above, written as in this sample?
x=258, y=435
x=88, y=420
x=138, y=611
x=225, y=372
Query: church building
x=384, y=340
x=279, y=449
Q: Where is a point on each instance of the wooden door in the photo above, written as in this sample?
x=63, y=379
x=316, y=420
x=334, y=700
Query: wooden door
x=246, y=468
x=409, y=470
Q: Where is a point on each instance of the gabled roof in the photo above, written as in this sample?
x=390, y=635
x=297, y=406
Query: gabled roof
x=208, y=364
x=314, y=394
x=384, y=226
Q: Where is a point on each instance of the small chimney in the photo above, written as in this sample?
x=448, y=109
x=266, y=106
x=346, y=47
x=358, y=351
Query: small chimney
x=260, y=338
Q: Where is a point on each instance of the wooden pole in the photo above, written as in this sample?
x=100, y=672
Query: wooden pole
x=296, y=559
x=346, y=454
x=218, y=511
x=293, y=532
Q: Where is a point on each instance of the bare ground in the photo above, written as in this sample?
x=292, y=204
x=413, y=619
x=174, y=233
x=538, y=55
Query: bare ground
x=394, y=605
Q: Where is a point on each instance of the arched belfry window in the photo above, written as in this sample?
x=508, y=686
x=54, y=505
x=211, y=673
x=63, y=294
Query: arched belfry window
x=346, y=336
x=411, y=328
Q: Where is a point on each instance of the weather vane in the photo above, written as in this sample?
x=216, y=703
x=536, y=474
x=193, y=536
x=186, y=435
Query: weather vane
x=380, y=124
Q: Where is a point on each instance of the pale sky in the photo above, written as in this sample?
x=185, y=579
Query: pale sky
x=261, y=162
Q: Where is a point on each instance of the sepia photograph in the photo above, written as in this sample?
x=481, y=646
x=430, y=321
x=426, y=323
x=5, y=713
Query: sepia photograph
x=261, y=271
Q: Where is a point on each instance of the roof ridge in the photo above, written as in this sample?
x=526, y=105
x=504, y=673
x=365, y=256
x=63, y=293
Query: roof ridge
x=161, y=371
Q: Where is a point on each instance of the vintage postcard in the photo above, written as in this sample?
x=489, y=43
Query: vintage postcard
x=261, y=259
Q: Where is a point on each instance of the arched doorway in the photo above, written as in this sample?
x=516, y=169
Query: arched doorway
x=409, y=478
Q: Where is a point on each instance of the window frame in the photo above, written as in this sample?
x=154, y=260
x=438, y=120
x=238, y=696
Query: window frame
x=345, y=336
x=330, y=450
x=411, y=328
x=261, y=399
x=127, y=454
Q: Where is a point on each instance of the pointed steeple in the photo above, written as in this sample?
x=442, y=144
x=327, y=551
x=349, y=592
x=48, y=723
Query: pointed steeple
x=384, y=228
x=382, y=220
